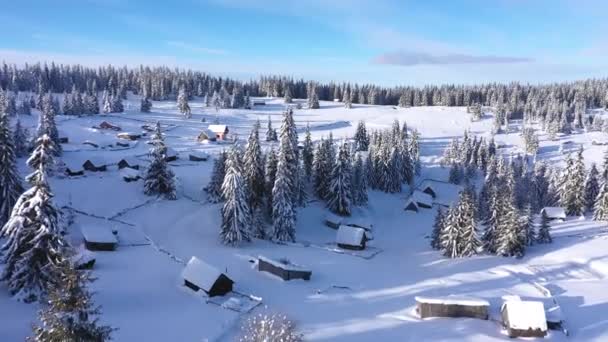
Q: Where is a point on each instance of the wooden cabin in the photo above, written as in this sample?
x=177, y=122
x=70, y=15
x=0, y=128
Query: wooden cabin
x=452, y=307
x=362, y=223
x=73, y=168
x=130, y=162
x=95, y=164
x=129, y=175
x=332, y=220
x=198, y=156
x=198, y=275
x=554, y=213
x=283, y=269
x=351, y=238
x=171, y=155
x=428, y=188
x=107, y=125
x=421, y=199
x=206, y=135
x=98, y=238
x=220, y=131
x=411, y=205
x=524, y=318
x=128, y=136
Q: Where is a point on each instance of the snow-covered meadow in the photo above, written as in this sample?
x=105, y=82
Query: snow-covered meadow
x=349, y=298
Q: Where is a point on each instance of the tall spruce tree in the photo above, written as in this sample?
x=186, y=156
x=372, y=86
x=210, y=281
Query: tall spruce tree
x=283, y=210
x=307, y=153
x=544, y=231
x=270, y=177
x=253, y=169
x=237, y=221
x=361, y=138
x=182, y=103
x=214, y=188
x=47, y=124
x=359, y=182
x=600, y=212
x=20, y=140
x=10, y=184
x=592, y=188
x=339, y=195
x=159, y=179
x=271, y=133
x=437, y=229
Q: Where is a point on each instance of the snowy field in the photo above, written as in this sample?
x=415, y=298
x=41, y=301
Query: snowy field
x=348, y=298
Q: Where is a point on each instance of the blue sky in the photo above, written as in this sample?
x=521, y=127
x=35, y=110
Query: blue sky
x=370, y=41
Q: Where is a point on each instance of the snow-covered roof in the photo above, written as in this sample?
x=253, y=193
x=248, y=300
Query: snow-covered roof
x=526, y=315
x=348, y=235
x=360, y=222
x=289, y=266
x=96, y=160
x=200, y=273
x=98, y=234
x=128, y=173
x=82, y=256
x=554, y=212
x=73, y=165
x=422, y=197
x=333, y=218
x=217, y=128
x=131, y=160
x=453, y=300
x=445, y=193
x=198, y=154
x=171, y=152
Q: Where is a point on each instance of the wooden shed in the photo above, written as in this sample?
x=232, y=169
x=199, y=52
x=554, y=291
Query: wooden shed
x=129, y=175
x=73, y=168
x=428, y=188
x=198, y=275
x=128, y=136
x=206, y=135
x=130, y=162
x=554, y=213
x=97, y=238
x=220, y=131
x=410, y=205
x=422, y=199
x=452, y=306
x=332, y=220
x=351, y=238
x=95, y=164
x=362, y=223
x=171, y=155
x=198, y=156
x=107, y=125
x=283, y=269
x=524, y=318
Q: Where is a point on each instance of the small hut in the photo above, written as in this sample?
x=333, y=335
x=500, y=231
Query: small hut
x=220, y=131
x=351, y=238
x=410, y=205
x=128, y=136
x=73, y=169
x=206, y=135
x=107, y=125
x=259, y=102
x=283, y=269
x=171, y=155
x=98, y=238
x=333, y=221
x=129, y=175
x=130, y=162
x=122, y=144
x=452, y=307
x=428, y=188
x=198, y=156
x=524, y=318
x=198, y=275
x=417, y=200
x=63, y=138
x=95, y=164
x=91, y=143
x=554, y=213
x=362, y=223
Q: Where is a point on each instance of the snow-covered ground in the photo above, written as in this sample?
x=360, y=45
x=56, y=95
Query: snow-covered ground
x=348, y=298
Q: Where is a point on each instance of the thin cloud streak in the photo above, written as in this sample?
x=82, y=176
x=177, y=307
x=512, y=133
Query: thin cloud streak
x=404, y=58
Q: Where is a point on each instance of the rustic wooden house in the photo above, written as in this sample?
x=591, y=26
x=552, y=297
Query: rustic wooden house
x=220, y=131
x=198, y=275
x=333, y=221
x=198, y=156
x=130, y=162
x=95, y=164
x=351, y=238
x=417, y=200
x=452, y=307
x=128, y=136
x=524, y=318
x=554, y=213
x=283, y=269
x=171, y=155
x=362, y=223
x=206, y=135
x=98, y=238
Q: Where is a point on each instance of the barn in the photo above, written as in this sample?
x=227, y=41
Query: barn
x=220, y=131
x=130, y=162
x=524, y=318
x=198, y=275
x=283, y=269
x=95, y=164
x=98, y=238
x=452, y=306
x=351, y=238
x=554, y=213
x=422, y=199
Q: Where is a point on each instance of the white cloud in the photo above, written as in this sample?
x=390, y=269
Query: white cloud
x=195, y=48
x=409, y=58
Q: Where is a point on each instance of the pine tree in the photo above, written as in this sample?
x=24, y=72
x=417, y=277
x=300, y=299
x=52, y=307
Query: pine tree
x=237, y=218
x=107, y=102
x=214, y=188
x=287, y=98
x=572, y=195
x=314, y=103
x=182, y=103
x=437, y=229
x=270, y=177
x=510, y=232
x=47, y=124
x=20, y=140
x=70, y=314
x=592, y=188
x=361, y=138
x=10, y=184
x=307, y=153
x=469, y=240
x=33, y=248
x=339, y=195
x=146, y=105
x=117, y=106
x=530, y=225
x=456, y=174
x=253, y=169
x=544, y=231
x=283, y=211
x=600, y=212
x=271, y=133
x=42, y=156
x=159, y=179
x=359, y=182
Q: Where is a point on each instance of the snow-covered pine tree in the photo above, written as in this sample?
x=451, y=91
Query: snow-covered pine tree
x=359, y=182
x=182, y=103
x=24, y=108
x=145, y=105
x=437, y=229
x=271, y=133
x=41, y=156
x=528, y=220
x=20, y=140
x=106, y=102
x=314, y=103
x=572, y=192
x=253, y=169
x=283, y=210
x=414, y=150
x=600, y=212
x=544, y=230
x=33, y=248
x=159, y=179
x=270, y=177
x=469, y=243
x=47, y=124
x=117, y=106
x=361, y=138
x=456, y=173
x=214, y=188
x=10, y=183
x=339, y=195
x=287, y=97
x=321, y=170
x=237, y=222
x=592, y=188
x=307, y=153
x=510, y=232
x=70, y=314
